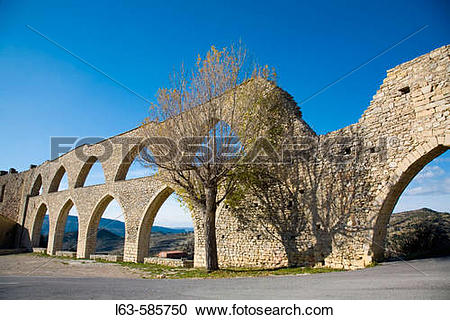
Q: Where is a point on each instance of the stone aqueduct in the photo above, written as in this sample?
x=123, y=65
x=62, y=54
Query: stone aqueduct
x=412, y=105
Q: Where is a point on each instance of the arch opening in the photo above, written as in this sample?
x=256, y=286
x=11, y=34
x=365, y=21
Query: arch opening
x=166, y=229
x=66, y=230
x=37, y=188
x=138, y=170
x=106, y=231
x=60, y=181
x=132, y=168
x=410, y=223
x=90, y=174
x=39, y=234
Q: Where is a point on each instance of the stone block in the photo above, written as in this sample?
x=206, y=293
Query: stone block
x=170, y=262
x=40, y=250
x=106, y=257
x=70, y=254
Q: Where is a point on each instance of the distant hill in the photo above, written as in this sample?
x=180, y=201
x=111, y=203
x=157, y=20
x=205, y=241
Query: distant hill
x=115, y=226
x=418, y=234
x=108, y=242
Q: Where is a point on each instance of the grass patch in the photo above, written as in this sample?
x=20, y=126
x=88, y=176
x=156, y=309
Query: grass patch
x=159, y=271
x=156, y=271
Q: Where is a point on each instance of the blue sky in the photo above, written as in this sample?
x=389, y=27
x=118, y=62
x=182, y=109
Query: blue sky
x=430, y=188
x=46, y=92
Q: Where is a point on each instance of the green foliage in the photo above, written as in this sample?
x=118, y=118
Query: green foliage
x=423, y=239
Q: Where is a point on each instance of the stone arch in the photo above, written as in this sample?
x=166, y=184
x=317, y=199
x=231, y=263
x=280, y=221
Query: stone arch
x=126, y=162
x=55, y=244
x=37, y=224
x=84, y=172
x=410, y=166
x=54, y=184
x=94, y=221
x=145, y=224
x=37, y=185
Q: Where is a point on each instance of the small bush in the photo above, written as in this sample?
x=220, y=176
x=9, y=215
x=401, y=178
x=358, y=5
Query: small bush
x=422, y=239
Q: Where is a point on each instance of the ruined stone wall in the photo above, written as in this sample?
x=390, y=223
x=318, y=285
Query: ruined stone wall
x=12, y=196
x=8, y=230
x=405, y=127
x=11, y=189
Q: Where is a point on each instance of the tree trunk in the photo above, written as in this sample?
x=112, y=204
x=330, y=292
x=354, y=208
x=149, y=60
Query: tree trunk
x=210, y=229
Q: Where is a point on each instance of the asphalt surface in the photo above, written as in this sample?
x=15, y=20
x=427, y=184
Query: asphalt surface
x=418, y=279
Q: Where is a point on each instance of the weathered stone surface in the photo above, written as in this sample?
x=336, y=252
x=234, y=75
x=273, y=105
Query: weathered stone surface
x=40, y=250
x=170, y=262
x=70, y=254
x=106, y=257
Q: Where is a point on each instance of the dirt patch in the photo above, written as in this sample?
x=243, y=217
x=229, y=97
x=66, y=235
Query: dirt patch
x=32, y=265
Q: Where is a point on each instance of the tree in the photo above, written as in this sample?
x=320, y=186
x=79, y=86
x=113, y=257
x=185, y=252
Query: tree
x=199, y=127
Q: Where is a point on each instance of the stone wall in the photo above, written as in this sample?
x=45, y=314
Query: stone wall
x=406, y=126
x=11, y=188
x=170, y=262
x=8, y=230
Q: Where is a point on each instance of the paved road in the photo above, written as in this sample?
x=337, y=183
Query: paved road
x=419, y=279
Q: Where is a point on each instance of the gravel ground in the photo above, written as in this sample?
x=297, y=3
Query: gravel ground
x=28, y=264
x=417, y=279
